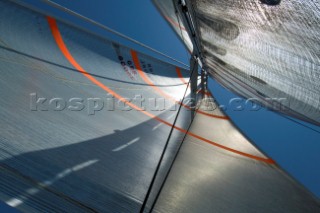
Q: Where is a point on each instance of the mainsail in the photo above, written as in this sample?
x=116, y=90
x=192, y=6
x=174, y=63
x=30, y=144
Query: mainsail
x=89, y=125
x=266, y=50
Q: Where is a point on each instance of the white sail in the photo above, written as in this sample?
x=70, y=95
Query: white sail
x=81, y=129
x=265, y=50
x=89, y=125
x=209, y=178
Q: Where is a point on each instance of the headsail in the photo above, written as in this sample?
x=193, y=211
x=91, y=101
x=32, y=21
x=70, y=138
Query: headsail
x=81, y=130
x=206, y=178
x=85, y=122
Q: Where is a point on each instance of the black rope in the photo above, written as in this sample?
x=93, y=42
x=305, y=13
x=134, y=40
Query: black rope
x=170, y=168
x=143, y=207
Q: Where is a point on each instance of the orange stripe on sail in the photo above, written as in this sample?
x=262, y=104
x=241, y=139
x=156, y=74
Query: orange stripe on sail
x=174, y=23
x=146, y=79
x=180, y=75
x=64, y=50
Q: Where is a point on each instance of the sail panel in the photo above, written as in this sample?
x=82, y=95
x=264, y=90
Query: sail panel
x=206, y=178
x=267, y=51
x=80, y=129
x=167, y=8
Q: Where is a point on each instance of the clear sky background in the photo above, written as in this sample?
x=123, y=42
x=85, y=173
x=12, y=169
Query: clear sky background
x=295, y=147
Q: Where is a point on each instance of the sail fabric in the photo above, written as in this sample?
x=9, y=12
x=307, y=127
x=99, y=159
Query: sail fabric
x=171, y=15
x=84, y=122
x=206, y=178
x=82, y=125
x=264, y=50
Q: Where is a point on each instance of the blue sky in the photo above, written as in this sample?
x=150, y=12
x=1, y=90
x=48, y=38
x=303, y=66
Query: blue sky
x=294, y=147
x=137, y=19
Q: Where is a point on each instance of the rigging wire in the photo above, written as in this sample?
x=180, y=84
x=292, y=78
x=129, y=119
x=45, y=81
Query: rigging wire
x=73, y=13
x=174, y=158
x=144, y=204
x=180, y=28
x=299, y=123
